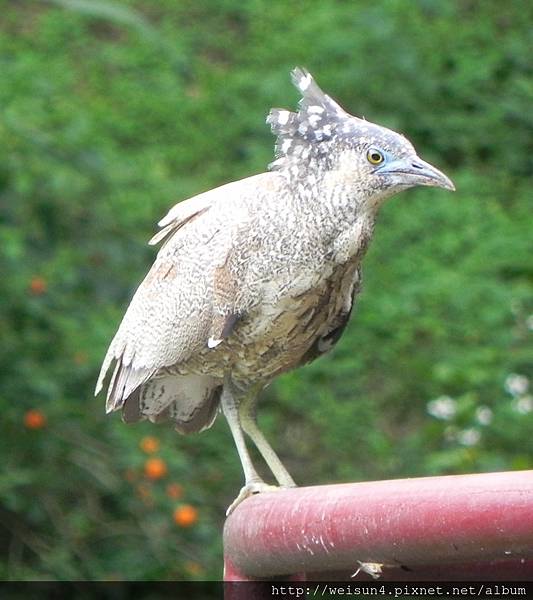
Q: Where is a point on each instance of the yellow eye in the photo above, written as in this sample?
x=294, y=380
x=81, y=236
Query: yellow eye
x=374, y=156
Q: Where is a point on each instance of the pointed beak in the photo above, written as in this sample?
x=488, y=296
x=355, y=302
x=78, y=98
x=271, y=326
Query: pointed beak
x=415, y=171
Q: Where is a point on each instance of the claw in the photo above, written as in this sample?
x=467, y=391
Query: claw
x=256, y=487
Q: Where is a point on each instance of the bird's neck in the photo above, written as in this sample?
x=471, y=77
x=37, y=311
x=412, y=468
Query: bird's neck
x=337, y=216
x=335, y=199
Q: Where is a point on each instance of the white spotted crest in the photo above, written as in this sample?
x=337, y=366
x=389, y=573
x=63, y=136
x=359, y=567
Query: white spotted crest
x=305, y=134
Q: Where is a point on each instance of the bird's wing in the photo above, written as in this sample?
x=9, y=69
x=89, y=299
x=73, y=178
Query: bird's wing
x=186, y=301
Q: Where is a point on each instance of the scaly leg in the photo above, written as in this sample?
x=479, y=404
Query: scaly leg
x=248, y=420
x=253, y=484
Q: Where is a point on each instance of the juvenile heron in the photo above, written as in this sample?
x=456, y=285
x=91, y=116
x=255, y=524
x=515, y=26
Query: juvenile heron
x=258, y=276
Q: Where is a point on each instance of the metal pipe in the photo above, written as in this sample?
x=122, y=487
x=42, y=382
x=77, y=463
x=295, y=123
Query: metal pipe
x=397, y=527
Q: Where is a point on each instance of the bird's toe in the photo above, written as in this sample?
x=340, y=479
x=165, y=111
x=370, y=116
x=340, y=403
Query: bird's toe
x=256, y=487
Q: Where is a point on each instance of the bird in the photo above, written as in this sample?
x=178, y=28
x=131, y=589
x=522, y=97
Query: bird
x=258, y=276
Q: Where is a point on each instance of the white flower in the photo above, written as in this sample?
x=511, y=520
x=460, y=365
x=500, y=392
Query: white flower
x=516, y=385
x=469, y=437
x=443, y=407
x=483, y=415
x=523, y=405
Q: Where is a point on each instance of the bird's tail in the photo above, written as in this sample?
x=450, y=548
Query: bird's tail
x=190, y=401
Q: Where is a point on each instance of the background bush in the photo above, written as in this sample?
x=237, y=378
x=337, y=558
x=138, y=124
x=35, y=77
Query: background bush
x=112, y=112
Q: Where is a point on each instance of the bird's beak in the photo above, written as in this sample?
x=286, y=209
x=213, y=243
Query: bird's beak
x=417, y=172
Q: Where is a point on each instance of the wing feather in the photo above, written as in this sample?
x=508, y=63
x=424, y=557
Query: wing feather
x=173, y=311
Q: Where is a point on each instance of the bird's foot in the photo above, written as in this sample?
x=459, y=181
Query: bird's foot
x=254, y=487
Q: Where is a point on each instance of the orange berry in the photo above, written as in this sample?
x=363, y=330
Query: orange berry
x=149, y=444
x=145, y=494
x=81, y=357
x=174, y=491
x=130, y=475
x=185, y=515
x=37, y=285
x=155, y=468
x=34, y=419
x=193, y=568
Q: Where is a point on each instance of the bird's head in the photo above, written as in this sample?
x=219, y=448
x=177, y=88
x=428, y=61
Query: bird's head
x=373, y=160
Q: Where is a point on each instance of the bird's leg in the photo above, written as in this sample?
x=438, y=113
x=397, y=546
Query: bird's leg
x=248, y=420
x=253, y=483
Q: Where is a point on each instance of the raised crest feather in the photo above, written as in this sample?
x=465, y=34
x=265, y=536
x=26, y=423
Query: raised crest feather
x=300, y=134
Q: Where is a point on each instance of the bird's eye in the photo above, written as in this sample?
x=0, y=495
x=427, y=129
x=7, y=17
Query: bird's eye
x=374, y=156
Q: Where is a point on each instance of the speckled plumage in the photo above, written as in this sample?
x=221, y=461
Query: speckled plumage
x=258, y=276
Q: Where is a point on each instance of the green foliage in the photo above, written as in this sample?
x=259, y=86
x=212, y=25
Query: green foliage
x=111, y=112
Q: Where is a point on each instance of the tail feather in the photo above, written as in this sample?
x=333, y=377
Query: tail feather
x=190, y=401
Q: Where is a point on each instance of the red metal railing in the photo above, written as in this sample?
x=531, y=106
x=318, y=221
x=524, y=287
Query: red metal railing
x=439, y=528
